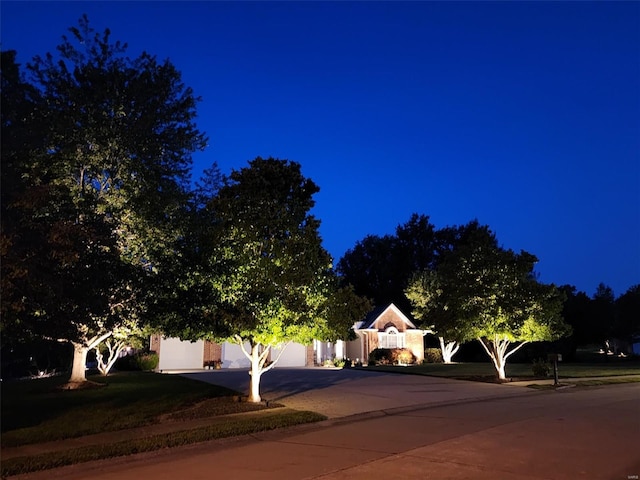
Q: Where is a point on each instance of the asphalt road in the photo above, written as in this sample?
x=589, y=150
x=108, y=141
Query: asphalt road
x=590, y=433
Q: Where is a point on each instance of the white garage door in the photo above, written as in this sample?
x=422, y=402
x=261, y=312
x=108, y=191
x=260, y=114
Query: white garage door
x=294, y=355
x=176, y=354
x=232, y=356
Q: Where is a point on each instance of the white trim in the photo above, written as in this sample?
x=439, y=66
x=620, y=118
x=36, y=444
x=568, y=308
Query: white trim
x=400, y=314
x=399, y=339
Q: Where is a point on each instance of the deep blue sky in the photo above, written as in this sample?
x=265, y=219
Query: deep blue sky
x=525, y=116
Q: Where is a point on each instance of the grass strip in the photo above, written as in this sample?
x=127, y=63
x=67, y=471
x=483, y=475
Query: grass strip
x=588, y=383
x=231, y=428
x=605, y=381
x=518, y=370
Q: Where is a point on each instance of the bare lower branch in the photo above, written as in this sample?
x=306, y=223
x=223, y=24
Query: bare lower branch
x=240, y=342
x=486, y=349
x=273, y=364
x=516, y=349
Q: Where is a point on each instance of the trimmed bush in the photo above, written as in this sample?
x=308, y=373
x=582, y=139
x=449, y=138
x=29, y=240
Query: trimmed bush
x=147, y=361
x=380, y=356
x=541, y=368
x=402, y=356
x=432, y=355
x=339, y=362
x=391, y=356
x=144, y=361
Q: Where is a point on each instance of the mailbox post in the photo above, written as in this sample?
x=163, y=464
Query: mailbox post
x=555, y=358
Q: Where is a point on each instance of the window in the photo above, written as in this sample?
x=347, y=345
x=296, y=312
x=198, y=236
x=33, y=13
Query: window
x=391, y=338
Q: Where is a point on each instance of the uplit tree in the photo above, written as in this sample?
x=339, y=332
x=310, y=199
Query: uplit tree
x=429, y=307
x=480, y=290
x=278, y=283
x=272, y=278
x=129, y=334
x=103, y=181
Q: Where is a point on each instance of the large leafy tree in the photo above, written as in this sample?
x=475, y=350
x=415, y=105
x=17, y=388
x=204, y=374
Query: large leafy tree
x=277, y=283
x=480, y=290
x=272, y=280
x=104, y=167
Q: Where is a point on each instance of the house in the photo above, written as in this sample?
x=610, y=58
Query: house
x=385, y=327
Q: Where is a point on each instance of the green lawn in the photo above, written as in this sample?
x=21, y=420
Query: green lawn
x=36, y=411
x=519, y=370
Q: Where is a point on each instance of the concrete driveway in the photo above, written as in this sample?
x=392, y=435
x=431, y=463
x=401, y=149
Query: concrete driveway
x=344, y=392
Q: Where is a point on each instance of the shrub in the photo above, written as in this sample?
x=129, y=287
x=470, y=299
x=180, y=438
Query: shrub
x=393, y=356
x=328, y=363
x=339, y=362
x=140, y=361
x=147, y=361
x=380, y=356
x=432, y=355
x=541, y=368
x=402, y=356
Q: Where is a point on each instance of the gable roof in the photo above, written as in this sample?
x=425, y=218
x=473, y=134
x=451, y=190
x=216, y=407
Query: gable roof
x=377, y=312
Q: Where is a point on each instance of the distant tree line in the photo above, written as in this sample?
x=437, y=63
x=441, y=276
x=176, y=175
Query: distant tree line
x=601, y=319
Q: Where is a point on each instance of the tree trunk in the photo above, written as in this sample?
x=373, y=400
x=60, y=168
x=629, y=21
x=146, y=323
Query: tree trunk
x=498, y=351
x=114, y=348
x=448, y=349
x=80, y=350
x=256, y=372
x=495, y=349
x=499, y=363
x=78, y=370
x=258, y=358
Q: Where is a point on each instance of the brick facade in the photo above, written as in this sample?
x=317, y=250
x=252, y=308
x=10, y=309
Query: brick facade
x=309, y=361
x=391, y=317
x=154, y=344
x=414, y=342
x=212, y=353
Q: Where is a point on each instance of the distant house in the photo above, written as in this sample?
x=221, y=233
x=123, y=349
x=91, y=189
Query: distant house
x=384, y=327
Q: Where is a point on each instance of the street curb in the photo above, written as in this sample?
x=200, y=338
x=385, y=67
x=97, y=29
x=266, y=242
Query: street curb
x=357, y=417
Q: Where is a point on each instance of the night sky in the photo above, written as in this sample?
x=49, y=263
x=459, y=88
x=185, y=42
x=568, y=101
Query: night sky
x=525, y=116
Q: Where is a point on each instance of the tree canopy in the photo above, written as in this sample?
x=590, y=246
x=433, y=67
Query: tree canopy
x=480, y=290
x=270, y=280
x=380, y=267
x=99, y=146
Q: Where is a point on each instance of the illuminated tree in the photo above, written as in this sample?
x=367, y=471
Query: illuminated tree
x=426, y=295
x=103, y=181
x=271, y=279
x=481, y=291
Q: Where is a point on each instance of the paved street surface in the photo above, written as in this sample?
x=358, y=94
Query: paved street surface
x=589, y=433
